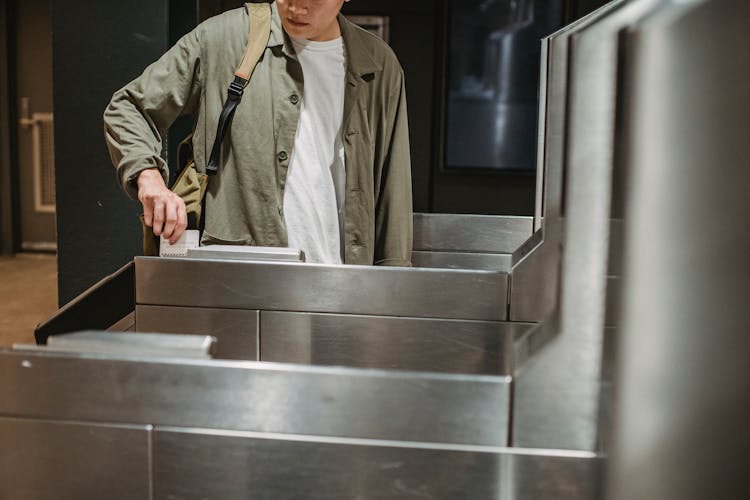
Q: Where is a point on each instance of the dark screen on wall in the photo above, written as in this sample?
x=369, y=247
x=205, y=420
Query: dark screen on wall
x=494, y=48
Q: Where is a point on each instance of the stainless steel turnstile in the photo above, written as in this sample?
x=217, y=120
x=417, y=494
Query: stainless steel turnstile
x=118, y=427
x=351, y=315
x=482, y=372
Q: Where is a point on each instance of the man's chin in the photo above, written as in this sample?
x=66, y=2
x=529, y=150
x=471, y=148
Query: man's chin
x=297, y=30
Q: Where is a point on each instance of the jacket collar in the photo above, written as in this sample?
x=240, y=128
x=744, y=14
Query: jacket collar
x=359, y=61
x=277, y=37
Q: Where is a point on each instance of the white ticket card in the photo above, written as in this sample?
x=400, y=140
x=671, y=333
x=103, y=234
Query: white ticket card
x=189, y=239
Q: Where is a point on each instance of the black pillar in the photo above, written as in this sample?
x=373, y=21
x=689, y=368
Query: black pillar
x=97, y=48
x=9, y=230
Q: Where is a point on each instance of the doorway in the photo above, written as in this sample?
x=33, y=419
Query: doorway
x=35, y=158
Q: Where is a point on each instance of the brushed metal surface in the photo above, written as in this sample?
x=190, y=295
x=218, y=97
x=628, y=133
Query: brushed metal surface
x=446, y=346
x=534, y=290
x=535, y=276
x=236, y=331
x=541, y=135
x=265, y=397
x=683, y=383
x=436, y=293
x=43, y=460
x=132, y=344
x=242, y=252
x=556, y=109
x=556, y=398
x=454, y=260
x=554, y=97
x=470, y=233
x=615, y=247
x=197, y=465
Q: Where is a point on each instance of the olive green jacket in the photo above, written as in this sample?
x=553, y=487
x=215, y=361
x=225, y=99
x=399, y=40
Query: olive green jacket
x=244, y=202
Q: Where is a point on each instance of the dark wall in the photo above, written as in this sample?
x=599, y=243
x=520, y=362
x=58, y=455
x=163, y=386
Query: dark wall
x=8, y=202
x=580, y=8
x=182, y=19
x=98, y=47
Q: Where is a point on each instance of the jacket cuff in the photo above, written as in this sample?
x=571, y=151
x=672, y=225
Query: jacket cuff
x=129, y=178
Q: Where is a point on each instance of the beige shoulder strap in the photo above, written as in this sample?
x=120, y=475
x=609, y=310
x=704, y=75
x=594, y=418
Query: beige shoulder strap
x=257, y=39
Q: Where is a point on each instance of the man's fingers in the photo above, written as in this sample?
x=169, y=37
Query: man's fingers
x=171, y=218
x=181, y=221
x=148, y=214
x=158, y=219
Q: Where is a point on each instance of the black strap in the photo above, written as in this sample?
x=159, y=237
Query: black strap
x=237, y=87
x=234, y=96
x=258, y=36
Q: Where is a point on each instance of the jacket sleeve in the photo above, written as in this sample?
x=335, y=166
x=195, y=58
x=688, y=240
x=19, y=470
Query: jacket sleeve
x=393, y=211
x=139, y=114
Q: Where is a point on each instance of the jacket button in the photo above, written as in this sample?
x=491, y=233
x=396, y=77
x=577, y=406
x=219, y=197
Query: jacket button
x=281, y=210
x=283, y=156
x=294, y=98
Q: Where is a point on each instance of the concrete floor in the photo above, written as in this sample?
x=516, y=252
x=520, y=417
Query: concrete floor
x=28, y=295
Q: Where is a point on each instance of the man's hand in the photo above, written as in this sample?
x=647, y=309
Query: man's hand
x=163, y=210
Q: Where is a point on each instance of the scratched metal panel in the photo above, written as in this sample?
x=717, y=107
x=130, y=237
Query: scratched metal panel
x=48, y=460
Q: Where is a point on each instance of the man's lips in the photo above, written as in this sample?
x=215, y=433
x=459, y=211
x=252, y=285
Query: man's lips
x=298, y=24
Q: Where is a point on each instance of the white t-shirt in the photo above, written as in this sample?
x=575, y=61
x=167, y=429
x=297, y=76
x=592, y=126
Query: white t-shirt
x=314, y=192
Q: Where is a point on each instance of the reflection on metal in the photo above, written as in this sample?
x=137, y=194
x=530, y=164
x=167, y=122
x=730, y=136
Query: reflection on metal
x=470, y=233
x=682, y=384
x=535, y=276
x=480, y=242
x=430, y=293
x=446, y=346
x=456, y=260
x=258, y=397
x=541, y=142
x=48, y=460
x=236, y=252
x=236, y=330
x=558, y=389
x=134, y=344
x=534, y=280
x=229, y=430
x=191, y=464
x=555, y=89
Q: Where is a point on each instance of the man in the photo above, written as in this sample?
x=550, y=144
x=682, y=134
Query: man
x=317, y=156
